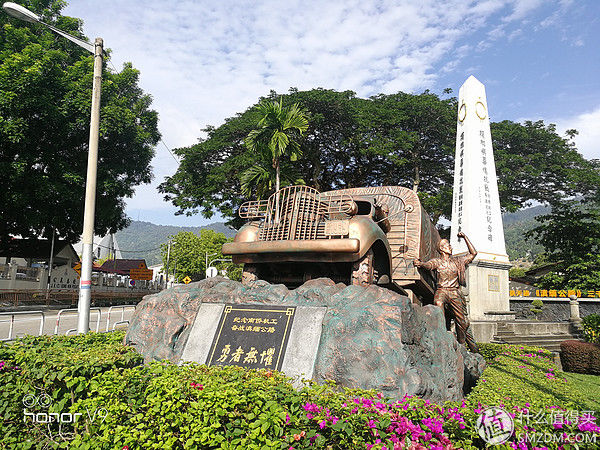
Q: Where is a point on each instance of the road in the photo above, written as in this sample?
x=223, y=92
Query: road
x=29, y=323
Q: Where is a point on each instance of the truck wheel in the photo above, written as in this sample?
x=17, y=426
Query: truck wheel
x=363, y=273
x=249, y=274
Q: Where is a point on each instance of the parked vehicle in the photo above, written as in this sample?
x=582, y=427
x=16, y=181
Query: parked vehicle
x=357, y=236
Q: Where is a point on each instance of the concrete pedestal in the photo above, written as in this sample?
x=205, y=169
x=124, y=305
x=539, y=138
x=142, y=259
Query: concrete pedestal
x=488, y=297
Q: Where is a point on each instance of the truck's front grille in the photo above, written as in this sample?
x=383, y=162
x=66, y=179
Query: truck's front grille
x=299, y=213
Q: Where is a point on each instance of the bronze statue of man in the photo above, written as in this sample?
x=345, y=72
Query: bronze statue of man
x=450, y=276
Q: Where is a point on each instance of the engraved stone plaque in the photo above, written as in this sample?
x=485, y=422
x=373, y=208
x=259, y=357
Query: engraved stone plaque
x=493, y=283
x=252, y=336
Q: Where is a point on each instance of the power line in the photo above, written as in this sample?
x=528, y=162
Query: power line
x=119, y=94
x=128, y=251
x=169, y=150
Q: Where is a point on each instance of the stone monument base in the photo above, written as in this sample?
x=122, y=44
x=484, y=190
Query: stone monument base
x=370, y=338
x=488, y=298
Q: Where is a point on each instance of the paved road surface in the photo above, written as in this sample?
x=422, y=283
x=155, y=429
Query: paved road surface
x=30, y=323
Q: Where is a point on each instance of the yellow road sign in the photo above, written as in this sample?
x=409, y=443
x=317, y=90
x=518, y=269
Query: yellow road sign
x=140, y=274
x=187, y=280
x=77, y=269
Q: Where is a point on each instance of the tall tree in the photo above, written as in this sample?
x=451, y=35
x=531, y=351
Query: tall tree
x=398, y=139
x=277, y=136
x=189, y=253
x=535, y=164
x=46, y=85
x=570, y=235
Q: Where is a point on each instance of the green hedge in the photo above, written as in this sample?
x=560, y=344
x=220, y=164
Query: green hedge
x=124, y=404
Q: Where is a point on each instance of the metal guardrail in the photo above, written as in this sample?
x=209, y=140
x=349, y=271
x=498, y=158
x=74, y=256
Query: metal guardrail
x=19, y=297
x=119, y=323
x=71, y=330
x=19, y=313
x=116, y=307
x=70, y=310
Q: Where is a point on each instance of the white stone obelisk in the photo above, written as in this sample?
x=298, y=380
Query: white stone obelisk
x=476, y=206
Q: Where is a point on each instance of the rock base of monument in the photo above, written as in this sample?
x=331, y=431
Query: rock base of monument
x=371, y=338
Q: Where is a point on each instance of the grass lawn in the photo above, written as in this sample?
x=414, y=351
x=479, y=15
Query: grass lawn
x=588, y=386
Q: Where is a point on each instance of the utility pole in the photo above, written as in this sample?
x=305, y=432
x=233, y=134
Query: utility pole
x=51, y=263
x=167, y=269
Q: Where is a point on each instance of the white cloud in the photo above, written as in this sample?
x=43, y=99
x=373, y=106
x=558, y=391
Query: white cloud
x=588, y=139
x=203, y=61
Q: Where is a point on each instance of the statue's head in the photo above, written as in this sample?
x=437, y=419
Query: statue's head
x=445, y=247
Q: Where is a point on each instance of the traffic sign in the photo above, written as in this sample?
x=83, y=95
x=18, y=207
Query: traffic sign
x=187, y=280
x=211, y=272
x=77, y=268
x=140, y=274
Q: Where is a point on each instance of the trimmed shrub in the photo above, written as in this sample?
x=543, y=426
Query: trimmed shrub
x=591, y=328
x=580, y=357
x=57, y=369
x=536, y=307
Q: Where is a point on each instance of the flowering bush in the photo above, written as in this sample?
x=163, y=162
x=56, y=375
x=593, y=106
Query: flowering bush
x=125, y=405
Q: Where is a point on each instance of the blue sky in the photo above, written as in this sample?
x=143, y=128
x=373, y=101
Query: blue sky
x=204, y=61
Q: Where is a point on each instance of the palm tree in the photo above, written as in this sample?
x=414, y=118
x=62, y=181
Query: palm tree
x=278, y=135
x=261, y=178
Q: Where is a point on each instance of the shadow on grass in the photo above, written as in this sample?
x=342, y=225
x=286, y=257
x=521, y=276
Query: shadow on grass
x=523, y=360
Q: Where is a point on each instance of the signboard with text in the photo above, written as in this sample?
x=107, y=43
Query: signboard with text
x=554, y=293
x=140, y=274
x=252, y=336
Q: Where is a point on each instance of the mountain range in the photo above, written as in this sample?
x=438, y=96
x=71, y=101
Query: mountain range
x=142, y=240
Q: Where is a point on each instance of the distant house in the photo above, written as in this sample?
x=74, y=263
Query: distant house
x=107, y=248
x=24, y=263
x=29, y=252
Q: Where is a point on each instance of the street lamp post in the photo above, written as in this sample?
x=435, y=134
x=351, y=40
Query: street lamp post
x=85, y=282
x=214, y=261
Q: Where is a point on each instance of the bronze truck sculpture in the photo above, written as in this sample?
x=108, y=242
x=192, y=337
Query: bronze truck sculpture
x=355, y=236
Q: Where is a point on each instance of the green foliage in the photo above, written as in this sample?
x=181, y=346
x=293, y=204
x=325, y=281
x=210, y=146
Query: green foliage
x=46, y=85
x=147, y=237
x=516, y=272
x=189, y=252
x=534, y=163
x=57, y=366
x=277, y=136
x=591, y=328
x=571, y=236
x=529, y=381
x=491, y=351
x=163, y=405
x=536, y=306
